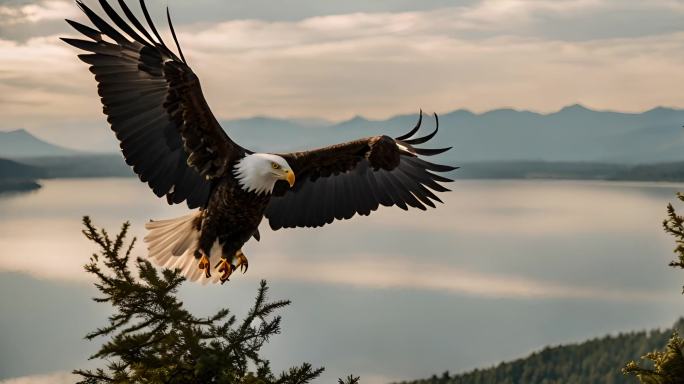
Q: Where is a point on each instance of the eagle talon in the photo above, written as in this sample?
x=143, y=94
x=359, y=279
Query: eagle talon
x=204, y=264
x=241, y=261
x=225, y=269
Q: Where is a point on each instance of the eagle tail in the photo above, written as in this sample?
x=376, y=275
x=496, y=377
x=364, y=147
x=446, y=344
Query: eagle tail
x=172, y=243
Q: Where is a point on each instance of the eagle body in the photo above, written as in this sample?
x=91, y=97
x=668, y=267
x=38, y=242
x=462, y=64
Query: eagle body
x=234, y=212
x=169, y=136
x=231, y=217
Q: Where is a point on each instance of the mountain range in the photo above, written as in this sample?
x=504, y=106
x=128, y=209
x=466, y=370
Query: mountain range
x=18, y=177
x=573, y=134
x=20, y=144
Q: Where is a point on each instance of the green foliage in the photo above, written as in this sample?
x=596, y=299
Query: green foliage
x=153, y=339
x=593, y=361
x=668, y=365
x=349, y=380
x=673, y=225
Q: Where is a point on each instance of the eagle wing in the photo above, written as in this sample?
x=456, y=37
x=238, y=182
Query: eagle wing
x=342, y=180
x=155, y=106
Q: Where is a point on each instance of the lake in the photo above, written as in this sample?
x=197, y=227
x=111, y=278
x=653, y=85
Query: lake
x=501, y=269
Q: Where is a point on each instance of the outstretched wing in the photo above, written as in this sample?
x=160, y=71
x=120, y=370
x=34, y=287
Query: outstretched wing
x=342, y=180
x=155, y=105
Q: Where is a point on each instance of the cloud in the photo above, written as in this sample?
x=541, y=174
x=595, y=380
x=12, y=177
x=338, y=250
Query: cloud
x=539, y=55
x=337, y=72
x=47, y=10
x=52, y=378
x=42, y=78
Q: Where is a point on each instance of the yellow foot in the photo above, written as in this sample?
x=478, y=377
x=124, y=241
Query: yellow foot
x=241, y=261
x=204, y=264
x=225, y=269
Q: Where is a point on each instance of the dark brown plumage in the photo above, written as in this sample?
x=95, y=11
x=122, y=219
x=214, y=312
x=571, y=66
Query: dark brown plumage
x=168, y=134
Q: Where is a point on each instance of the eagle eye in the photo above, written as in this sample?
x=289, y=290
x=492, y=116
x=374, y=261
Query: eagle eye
x=275, y=165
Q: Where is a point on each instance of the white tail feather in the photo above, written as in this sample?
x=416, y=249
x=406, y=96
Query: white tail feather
x=171, y=244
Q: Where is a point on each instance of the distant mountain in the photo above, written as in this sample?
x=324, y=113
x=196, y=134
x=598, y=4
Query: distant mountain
x=593, y=361
x=573, y=134
x=18, y=177
x=21, y=144
x=516, y=169
x=81, y=166
x=13, y=170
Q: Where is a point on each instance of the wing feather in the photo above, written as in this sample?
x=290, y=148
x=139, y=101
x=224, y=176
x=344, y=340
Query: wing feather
x=357, y=177
x=387, y=186
x=380, y=196
x=154, y=104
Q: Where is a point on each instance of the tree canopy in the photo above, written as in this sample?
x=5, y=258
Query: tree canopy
x=153, y=339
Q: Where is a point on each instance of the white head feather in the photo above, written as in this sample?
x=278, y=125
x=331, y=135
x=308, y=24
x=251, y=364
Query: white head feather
x=257, y=172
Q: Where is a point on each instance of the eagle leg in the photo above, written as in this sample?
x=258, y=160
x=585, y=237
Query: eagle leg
x=204, y=264
x=225, y=269
x=241, y=261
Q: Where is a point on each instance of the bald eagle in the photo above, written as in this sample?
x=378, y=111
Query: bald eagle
x=173, y=142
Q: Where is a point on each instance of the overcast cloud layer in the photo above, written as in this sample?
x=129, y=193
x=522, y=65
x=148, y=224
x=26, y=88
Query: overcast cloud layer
x=338, y=60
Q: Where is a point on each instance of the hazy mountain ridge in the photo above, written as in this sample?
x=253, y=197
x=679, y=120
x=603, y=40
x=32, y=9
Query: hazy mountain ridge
x=81, y=166
x=667, y=171
x=20, y=143
x=15, y=176
x=12, y=170
x=594, y=361
x=573, y=134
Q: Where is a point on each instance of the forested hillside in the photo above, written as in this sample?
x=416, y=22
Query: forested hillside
x=18, y=177
x=12, y=170
x=597, y=361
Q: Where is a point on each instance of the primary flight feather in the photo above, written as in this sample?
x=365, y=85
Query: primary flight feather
x=168, y=134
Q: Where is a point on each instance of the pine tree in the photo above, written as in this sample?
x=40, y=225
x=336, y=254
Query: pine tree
x=668, y=365
x=154, y=339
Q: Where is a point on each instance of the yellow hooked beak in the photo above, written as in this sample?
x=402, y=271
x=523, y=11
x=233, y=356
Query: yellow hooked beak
x=290, y=177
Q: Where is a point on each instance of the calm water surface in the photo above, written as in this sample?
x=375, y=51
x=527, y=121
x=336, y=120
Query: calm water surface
x=503, y=268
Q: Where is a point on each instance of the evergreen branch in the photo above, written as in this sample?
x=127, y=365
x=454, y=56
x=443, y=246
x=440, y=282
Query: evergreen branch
x=155, y=340
x=349, y=380
x=299, y=375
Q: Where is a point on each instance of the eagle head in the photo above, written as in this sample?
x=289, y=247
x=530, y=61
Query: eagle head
x=258, y=172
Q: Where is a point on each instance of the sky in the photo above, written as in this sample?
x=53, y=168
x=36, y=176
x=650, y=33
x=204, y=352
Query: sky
x=337, y=59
